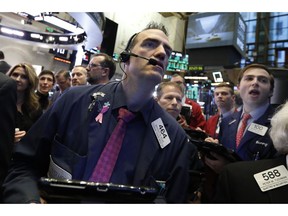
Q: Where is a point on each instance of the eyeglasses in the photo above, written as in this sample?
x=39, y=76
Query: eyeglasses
x=94, y=65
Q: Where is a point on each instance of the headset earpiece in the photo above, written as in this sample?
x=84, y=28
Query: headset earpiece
x=125, y=55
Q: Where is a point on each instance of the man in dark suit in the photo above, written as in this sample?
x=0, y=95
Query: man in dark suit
x=258, y=181
x=63, y=80
x=69, y=138
x=4, y=66
x=225, y=99
x=256, y=84
x=7, y=123
x=100, y=69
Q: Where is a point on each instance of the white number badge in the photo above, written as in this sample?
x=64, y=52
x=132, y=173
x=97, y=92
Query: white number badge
x=272, y=178
x=160, y=132
x=258, y=129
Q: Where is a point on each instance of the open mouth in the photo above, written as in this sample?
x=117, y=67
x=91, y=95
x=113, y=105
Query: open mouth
x=254, y=92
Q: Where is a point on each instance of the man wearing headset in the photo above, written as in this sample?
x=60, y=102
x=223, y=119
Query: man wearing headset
x=155, y=147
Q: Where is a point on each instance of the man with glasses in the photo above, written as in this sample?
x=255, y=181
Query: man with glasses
x=100, y=69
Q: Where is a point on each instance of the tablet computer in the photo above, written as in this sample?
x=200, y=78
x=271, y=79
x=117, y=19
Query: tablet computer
x=206, y=147
x=196, y=134
x=73, y=191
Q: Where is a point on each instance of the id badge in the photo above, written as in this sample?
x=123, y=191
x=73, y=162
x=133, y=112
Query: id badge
x=272, y=178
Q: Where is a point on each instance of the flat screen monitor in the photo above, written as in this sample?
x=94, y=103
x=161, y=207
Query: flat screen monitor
x=178, y=62
x=216, y=30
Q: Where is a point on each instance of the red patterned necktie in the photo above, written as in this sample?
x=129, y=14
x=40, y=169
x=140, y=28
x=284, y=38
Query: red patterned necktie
x=241, y=130
x=105, y=165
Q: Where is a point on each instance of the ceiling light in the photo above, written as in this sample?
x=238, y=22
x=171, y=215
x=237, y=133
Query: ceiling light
x=36, y=36
x=63, y=24
x=50, y=38
x=63, y=38
x=12, y=32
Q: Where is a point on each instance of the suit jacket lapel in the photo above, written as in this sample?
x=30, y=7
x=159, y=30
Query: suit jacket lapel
x=233, y=126
x=263, y=120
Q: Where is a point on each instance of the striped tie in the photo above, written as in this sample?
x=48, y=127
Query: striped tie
x=241, y=130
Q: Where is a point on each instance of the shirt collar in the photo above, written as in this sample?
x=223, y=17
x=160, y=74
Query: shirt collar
x=120, y=101
x=224, y=115
x=257, y=113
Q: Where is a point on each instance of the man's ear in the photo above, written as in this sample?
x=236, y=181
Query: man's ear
x=270, y=94
x=105, y=72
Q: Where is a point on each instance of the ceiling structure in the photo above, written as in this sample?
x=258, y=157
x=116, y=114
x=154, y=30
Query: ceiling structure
x=41, y=22
x=76, y=26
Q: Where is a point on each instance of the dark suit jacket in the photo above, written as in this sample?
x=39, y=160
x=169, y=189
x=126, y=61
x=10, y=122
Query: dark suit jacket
x=4, y=66
x=236, y=184
x=252, y=145
x=7, y=122
x=63, y=133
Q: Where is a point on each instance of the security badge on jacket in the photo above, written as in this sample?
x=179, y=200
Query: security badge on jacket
x=254, y=128
x=160, y=132
x=272, y=178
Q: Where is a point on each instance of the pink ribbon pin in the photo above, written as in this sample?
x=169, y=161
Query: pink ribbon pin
x=99, y=117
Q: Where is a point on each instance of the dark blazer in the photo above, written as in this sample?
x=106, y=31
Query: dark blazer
x=63, y=133
x=252, y=146
x=236, y=184
x=4, y=66
x=7, y=122
x=55, y=96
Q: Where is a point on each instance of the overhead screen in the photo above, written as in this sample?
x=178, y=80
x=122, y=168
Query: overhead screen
x=216, y=30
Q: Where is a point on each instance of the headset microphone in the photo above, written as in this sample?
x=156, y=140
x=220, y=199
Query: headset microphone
x=126, y=55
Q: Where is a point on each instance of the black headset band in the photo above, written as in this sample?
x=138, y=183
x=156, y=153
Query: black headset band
x=125, y=55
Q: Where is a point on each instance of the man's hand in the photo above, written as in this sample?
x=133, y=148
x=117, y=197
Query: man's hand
x=182, y=121
x=210, y=139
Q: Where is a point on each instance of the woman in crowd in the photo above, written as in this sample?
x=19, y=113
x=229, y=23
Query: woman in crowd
x=28, y=107
x=46, y=83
